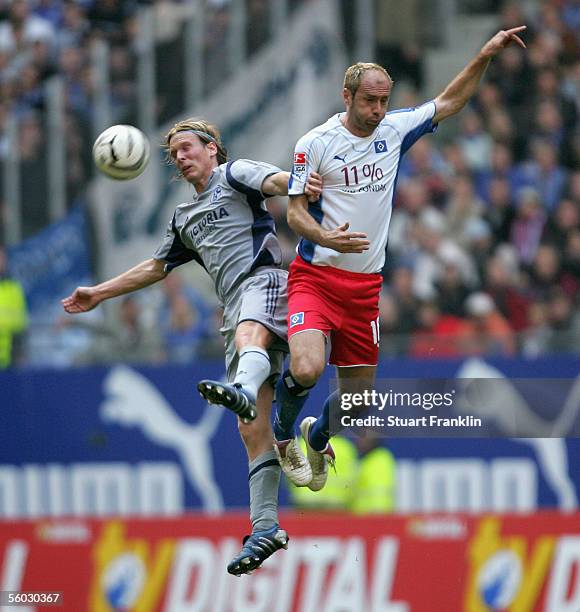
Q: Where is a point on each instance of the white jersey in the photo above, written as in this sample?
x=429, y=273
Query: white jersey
x=359, y=176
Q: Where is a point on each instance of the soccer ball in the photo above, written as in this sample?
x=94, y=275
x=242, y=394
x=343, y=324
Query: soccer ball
x=121, y=152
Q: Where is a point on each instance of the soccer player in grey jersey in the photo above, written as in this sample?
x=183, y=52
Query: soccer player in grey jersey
x=227, y=229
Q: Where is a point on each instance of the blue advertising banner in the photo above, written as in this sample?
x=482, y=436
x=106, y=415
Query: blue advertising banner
x=52, y=263
x=140, y=441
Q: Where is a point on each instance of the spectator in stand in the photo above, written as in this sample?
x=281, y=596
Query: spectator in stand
x=562, y=223
x=33, y=174
x=549, y=88
x=564, y=323
x=551, y=24
x=548, y=126
x=535, y=339
x=413, y=201
x=51, y=10
x=512, y=75
x=75, y=26
x=475, y=143
x=488, y=100
x=391, y=341
x=570, y=86
x=501, y=128
x=110, y=18
x=545, y=272
x=462, y=207
x=571, y=265
x=182, y=320
x=122, y=83
x=437, y=335
x=544, y=174
x=486, y=331
x=502, y=285
x=455, y=162
x=527, y=227
x=451, y=291
x=500, y=212
x=570, y=15
x=435, y=252
x=72, y=65
x=42, y=57
x=573, y=191
x=403, y=309
x=424, y=163
x=30, y=89
x=502, y=167
x=132, y=340
x=22, y=28
x=479, y=243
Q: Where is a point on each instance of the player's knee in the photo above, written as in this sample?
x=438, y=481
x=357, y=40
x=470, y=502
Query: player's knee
x=306, y=371
x=253, y=433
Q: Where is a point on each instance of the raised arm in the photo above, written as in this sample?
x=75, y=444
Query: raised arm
x=339, y=239
x=464, y=85
x=142, y=275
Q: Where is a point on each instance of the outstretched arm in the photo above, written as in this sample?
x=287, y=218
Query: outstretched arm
x=142, y=275
x=464, y=85
x=277, y=184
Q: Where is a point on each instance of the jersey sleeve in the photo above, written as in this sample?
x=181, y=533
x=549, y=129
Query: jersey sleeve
x=307, y=158
x=247, y=176
x=172, y=250
x=412, y=123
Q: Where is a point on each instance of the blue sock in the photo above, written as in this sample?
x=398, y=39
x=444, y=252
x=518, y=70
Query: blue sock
x=320, y=431
x=290, y=398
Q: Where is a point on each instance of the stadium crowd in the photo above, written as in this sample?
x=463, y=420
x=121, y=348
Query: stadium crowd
x=484, y=248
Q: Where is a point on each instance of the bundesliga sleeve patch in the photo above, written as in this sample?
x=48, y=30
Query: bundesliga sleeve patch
x=296, y=319
x=299, y=168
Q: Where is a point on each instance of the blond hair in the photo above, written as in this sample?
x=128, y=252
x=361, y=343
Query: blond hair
x=206, y=132
x=354, y=74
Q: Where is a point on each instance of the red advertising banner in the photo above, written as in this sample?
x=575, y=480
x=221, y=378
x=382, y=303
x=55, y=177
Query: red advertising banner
x=334, y=563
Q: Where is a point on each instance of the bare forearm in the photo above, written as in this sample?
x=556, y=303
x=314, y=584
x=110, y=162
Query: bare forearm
x=461, y=89
x=276, y=184
x=302, y=222
x=464, y=85
x=142, y=275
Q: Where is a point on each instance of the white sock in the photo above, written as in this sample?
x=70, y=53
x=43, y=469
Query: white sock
x=253, y=369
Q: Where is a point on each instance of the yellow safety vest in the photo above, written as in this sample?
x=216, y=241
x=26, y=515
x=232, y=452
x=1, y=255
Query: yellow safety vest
x=375, y=485
x=338, y=491
x=13, y=317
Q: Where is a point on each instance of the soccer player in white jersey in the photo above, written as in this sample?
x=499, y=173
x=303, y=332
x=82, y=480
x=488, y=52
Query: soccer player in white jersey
x=228, y=230
x=335, y=281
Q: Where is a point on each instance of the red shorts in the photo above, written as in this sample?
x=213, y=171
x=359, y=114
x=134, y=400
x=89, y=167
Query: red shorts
x=341, y=304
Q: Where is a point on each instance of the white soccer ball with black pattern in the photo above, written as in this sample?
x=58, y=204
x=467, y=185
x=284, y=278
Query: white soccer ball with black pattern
x=121, y=152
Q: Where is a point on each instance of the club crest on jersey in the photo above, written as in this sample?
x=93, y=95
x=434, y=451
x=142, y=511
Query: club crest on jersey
x=216, y=194
x=299, y=158
x=296, y=319
x=380, y=146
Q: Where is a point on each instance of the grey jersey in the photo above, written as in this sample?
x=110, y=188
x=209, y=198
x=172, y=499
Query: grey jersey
x=226, y=228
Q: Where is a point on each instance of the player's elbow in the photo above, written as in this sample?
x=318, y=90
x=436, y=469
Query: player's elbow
x=447, y=106
x=156, y=269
